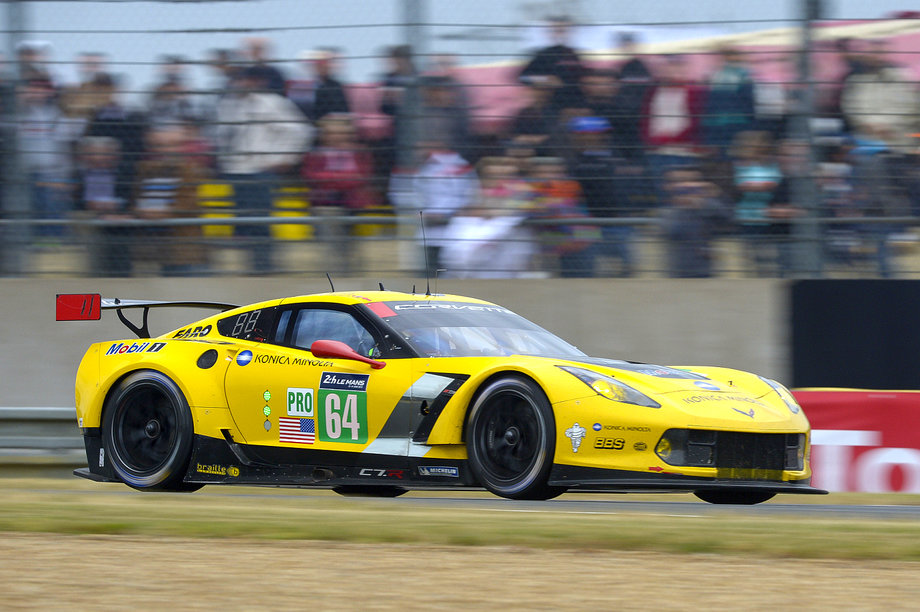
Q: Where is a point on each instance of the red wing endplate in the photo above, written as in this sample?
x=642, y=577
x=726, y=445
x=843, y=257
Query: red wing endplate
x=78, y=307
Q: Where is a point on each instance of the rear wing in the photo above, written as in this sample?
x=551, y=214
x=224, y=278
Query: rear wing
x=89, y=307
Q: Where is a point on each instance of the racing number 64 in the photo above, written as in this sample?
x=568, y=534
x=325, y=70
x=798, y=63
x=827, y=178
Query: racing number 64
x=340, y=417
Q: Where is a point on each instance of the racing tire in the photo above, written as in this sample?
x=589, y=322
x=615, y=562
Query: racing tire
x=741, y=498
x=147, y=432
x=511, y=439
x=369, y=491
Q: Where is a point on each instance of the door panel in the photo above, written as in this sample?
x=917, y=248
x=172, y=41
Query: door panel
x=282, y=396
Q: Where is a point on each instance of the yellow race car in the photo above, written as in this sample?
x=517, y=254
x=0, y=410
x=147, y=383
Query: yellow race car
x=380, y=392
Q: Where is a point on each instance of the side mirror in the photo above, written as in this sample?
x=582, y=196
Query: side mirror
x=334, y=349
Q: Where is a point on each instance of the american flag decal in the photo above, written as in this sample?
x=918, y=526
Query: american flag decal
x=298, y=431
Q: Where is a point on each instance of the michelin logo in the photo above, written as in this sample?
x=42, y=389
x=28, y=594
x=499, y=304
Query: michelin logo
x=438, y=470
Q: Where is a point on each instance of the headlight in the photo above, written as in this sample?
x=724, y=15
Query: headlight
x=784, y=393
x=611, y=388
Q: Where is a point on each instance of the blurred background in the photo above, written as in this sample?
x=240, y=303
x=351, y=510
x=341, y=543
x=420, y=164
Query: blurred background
x=577, y=138
x=747, y=143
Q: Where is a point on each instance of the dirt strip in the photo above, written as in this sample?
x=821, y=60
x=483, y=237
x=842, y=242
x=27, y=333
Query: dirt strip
x=46, y=571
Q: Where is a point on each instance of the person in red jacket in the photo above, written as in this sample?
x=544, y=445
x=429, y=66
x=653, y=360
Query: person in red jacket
x=339, y=174
x=671, y=119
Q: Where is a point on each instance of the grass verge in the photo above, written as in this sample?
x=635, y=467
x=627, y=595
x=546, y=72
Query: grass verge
x=77, y=507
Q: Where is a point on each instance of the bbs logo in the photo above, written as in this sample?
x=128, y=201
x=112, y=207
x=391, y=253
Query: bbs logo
x=610, y=443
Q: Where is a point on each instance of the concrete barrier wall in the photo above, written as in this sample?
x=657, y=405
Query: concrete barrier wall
x=731, y=322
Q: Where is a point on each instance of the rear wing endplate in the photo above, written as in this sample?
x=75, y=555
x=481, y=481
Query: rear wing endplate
x=89, y=307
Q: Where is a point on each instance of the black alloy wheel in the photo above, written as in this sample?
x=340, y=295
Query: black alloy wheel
x=148, y=432
x=511, y=439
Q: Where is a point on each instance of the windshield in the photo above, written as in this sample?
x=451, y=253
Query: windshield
x=460, y=329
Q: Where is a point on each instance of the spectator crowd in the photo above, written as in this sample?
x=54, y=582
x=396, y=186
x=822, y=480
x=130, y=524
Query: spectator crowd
x=568, y=181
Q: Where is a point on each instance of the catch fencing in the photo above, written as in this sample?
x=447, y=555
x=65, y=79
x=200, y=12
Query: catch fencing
x=784, y=144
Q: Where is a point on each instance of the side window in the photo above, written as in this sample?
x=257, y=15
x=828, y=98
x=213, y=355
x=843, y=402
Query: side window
x=314, y=324
x=250, y=325
x=283, y=321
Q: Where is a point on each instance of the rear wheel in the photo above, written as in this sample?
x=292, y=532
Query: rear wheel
x=148, y=432
x=511, y=439
x=743, y=498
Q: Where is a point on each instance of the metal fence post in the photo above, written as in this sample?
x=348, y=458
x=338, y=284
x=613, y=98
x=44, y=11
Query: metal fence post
x=15, y=197
x=808, y=260
x=414, y=32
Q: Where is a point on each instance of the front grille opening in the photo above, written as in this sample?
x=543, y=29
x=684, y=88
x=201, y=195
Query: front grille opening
x=732, y=450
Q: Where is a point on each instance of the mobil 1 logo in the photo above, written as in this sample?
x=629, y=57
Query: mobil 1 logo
x=300, y=402
x=342, y=402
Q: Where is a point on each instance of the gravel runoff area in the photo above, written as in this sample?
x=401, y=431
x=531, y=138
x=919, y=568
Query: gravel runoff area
x=48, y=571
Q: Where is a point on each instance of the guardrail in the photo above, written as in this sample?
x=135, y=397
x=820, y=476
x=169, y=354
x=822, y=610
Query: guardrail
x=40, y=437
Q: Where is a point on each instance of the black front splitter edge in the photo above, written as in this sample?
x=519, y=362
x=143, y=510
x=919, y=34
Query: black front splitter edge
x=611, y=481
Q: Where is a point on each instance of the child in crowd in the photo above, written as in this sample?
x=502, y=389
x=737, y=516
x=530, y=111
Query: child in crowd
x=558, y=197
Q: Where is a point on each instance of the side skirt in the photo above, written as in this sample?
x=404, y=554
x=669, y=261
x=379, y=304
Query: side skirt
x=223, y=461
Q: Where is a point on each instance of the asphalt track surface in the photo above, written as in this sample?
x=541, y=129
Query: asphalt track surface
x=683, y=505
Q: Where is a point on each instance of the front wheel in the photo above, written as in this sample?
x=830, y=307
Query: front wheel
x=741, y=498
x=511, y=439
x=148, y=432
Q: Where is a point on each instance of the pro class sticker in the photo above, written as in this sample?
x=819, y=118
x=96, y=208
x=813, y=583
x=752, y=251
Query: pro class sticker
x=342, y=403
x=300, y=402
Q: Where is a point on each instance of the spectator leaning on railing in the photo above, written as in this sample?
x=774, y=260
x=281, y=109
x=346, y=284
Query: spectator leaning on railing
x=597, y=170
x=339, y=173
x=488, y=238
x=166, y=188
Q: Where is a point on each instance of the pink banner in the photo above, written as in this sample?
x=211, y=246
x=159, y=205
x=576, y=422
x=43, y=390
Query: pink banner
x=864, y=440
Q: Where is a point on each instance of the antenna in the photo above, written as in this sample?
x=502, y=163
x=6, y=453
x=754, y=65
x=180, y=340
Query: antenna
x=421, y=221
x=381, y=286
x=329, y=278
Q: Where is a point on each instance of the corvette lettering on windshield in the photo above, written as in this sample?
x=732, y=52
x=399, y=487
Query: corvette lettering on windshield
x=468, y=307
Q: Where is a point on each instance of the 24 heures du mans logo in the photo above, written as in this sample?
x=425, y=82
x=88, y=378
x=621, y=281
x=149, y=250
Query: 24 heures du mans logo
x=345, y=382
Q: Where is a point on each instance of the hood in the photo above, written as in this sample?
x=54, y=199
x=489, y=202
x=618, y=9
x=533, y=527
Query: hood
x=739, y=398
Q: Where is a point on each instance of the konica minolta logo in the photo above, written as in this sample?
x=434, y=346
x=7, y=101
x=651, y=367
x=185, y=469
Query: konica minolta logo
x=125, y=348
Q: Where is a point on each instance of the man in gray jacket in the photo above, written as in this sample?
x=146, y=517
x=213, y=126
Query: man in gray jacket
x=261, y=136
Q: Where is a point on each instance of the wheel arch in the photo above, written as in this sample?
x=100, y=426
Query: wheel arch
x=202, y=388
x=450, y=428
x=483, y=384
